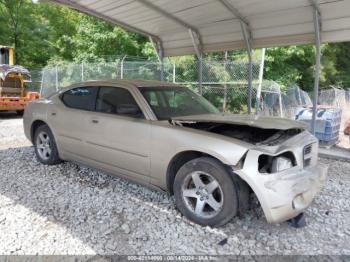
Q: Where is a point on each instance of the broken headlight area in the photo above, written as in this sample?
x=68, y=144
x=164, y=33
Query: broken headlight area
x=250, y=134
x=274, y=164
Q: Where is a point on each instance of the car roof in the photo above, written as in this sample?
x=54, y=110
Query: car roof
x=125, y=83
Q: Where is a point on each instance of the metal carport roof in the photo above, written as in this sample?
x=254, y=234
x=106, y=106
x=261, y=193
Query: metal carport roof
x=180, y=27
x=217, y=23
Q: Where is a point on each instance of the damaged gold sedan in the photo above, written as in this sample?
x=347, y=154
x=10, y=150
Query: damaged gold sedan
x=167, y=137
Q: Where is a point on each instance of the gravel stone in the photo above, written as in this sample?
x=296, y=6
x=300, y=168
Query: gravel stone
x=126, y=228
x=71, y=209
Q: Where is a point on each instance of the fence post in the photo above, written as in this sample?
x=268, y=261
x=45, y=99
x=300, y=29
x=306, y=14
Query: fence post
x=82, y=71
x=56, y=80
x=122, y=67
x=200, y=74
x=281, y=104
x=42, y=81
x=174, y=72
x=225, y=85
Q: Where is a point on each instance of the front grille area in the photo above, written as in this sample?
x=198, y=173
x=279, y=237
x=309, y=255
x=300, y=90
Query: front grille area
x=307, y=150
x=307, y=155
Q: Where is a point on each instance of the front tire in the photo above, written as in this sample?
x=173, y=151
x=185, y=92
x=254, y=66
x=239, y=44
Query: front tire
x=45, y=146
x=205, y=192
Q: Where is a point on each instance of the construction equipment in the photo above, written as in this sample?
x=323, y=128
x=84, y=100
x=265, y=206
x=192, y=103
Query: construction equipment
x=13, y=96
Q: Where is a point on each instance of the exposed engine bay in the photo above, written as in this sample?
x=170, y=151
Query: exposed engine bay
x=253, y=135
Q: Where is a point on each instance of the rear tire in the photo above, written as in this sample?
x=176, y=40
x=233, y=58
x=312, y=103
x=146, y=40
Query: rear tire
x=205, y=192
x=45, y=146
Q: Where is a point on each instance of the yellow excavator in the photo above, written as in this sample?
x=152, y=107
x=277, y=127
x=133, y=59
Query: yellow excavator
x=13, y=96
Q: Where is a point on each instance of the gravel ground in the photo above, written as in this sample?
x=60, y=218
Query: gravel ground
x=69, y=209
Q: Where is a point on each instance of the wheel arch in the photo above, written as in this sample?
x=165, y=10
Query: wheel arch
x=180, y=159
x=34, y=127
x=177, y=162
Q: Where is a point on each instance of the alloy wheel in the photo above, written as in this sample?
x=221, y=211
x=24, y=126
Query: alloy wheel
x=43, y=145
x=202, y=194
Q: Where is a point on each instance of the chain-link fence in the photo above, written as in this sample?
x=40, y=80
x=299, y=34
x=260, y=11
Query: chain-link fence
x=36, y=78
x=278, y=102
x=335, y=97
x=333, y=110
x=224, y=83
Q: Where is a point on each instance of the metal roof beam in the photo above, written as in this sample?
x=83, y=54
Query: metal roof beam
x=167, y=15
x=246, y=30
x=83, y=9
x=158, y=46
x=198, y=48
x=234, y=11
x=314, y=4
x=194, y=33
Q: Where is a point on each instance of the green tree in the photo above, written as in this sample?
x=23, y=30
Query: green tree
x=95, y=39
x=338, y=64
x=45, y=33
x=20, y=29
x=289, y=65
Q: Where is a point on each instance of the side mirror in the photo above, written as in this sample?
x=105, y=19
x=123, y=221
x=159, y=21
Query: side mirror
x=129, y=109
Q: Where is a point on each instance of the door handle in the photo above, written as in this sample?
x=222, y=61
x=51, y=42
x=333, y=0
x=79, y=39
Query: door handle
x=95, y=121
x=53, y=113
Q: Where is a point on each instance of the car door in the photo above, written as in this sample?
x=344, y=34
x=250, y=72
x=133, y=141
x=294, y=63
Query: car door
x=69, y=120
x=119, y=135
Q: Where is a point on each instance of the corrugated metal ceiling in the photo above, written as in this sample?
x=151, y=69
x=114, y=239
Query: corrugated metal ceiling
x=271, y=22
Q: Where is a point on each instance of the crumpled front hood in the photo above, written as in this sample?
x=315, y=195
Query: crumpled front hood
x=248, y=120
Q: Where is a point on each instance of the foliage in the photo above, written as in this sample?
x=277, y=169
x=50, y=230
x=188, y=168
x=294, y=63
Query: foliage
x=290, y=65
x=336, y=59
x=45, y=33
x=295, y=64
x=21, y=29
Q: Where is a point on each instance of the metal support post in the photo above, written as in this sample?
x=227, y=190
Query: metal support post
x=198, y=48
x=161, y=66
x=247, y=40
x=317, y=26
x=261, y=77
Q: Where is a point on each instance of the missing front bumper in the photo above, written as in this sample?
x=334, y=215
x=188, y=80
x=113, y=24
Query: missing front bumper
x=284, y=196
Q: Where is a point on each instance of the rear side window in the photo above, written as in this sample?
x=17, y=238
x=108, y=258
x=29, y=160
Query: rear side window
x=81, y=98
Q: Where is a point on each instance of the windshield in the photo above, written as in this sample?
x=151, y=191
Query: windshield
x=169, y=102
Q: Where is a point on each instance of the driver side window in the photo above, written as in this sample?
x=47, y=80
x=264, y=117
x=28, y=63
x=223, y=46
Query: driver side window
x=116, y=100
